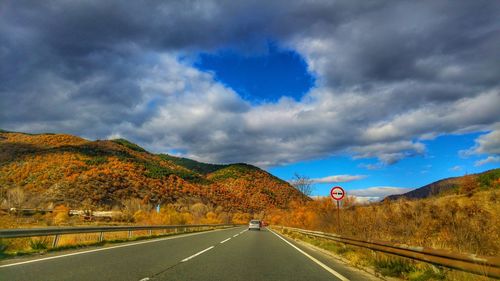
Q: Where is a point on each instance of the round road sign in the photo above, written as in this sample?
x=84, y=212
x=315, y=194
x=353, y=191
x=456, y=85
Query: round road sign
x=337, y=193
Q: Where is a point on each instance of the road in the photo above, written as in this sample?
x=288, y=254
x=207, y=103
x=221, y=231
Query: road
x=229, y=254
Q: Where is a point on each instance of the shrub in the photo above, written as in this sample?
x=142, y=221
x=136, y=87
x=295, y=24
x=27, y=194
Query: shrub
x=97, y=160
x=394, y=267
x=211, y=218
x=155, y=171
x=61, y=214
x=39, y=243
x=427, y=274
x=241, y=218
x=141, y=216
x=3, y=246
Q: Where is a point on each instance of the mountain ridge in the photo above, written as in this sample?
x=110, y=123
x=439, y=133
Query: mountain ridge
x=66, y=169
x=453, y=185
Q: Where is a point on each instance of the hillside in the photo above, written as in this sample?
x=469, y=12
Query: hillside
x=199, y=167
x=54, y=169
x=456, y=185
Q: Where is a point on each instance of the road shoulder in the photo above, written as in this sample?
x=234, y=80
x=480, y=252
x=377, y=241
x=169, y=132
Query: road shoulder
x=337, y=262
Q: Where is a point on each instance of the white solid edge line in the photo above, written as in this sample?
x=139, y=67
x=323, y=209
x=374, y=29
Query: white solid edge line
x=110, y=248
x=224, y=241
x=197, y=254
x=324, y=266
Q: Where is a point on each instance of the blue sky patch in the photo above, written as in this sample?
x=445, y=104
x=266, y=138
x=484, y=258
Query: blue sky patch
x=442, y=160
x=260, y=77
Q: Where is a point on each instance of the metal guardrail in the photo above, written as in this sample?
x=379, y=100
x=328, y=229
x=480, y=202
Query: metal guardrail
x=483, y=265
x=58, y=231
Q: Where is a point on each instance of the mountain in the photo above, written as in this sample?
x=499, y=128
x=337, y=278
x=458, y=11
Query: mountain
x=66, y=169
x=455, y=185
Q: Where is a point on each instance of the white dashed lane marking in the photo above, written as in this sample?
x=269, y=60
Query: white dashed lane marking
x=209, y=248
x=197, y=254
x=224, y=241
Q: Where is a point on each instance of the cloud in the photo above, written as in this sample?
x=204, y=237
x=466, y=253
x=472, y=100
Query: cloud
x=338, y=178
x=455, y=168
x=365, y=199
x=373, y=194
x=389, y=154
x=378, y=191
x=389, y=74
x=488, y=143
x=376, y=166
x=487, y=160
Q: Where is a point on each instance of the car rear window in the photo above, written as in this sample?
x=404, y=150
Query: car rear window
x=254, y=222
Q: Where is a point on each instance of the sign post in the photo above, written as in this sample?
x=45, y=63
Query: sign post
x=337, y=193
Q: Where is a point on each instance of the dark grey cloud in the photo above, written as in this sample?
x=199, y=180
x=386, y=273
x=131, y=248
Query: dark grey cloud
x=415, y=40
x=389, y=73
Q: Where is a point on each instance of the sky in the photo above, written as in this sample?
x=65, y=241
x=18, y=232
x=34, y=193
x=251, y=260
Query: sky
x=378, y=97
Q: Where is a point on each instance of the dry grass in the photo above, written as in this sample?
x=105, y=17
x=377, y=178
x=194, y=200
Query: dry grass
x=23, y=246
x=387, y=265
x=456, y=222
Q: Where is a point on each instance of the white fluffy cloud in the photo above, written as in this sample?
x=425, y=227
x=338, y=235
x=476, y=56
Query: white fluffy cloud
x=489, y=143
x=487, y=160
x=338, y=178
x=378, y=191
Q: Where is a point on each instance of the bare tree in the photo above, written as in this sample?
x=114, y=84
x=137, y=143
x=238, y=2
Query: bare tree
x=302, y=184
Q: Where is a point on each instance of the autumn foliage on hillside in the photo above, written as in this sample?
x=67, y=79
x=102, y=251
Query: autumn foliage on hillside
x=71, y=171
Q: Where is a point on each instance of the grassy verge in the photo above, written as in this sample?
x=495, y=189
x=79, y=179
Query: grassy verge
x=10, y=248
x=385, y=264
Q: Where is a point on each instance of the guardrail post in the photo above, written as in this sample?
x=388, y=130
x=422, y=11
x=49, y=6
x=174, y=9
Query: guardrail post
x=150, y=232
x=129, y=234
x=55, y=241
x=101, y=236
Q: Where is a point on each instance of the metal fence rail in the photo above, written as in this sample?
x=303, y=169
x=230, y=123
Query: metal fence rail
x=57, y=231
x=483, y=265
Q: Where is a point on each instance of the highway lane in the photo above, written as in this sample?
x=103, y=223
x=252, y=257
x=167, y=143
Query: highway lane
x=231, y=254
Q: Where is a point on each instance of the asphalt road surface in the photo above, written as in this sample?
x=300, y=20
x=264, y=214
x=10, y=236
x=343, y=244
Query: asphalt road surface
x=229, y=254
